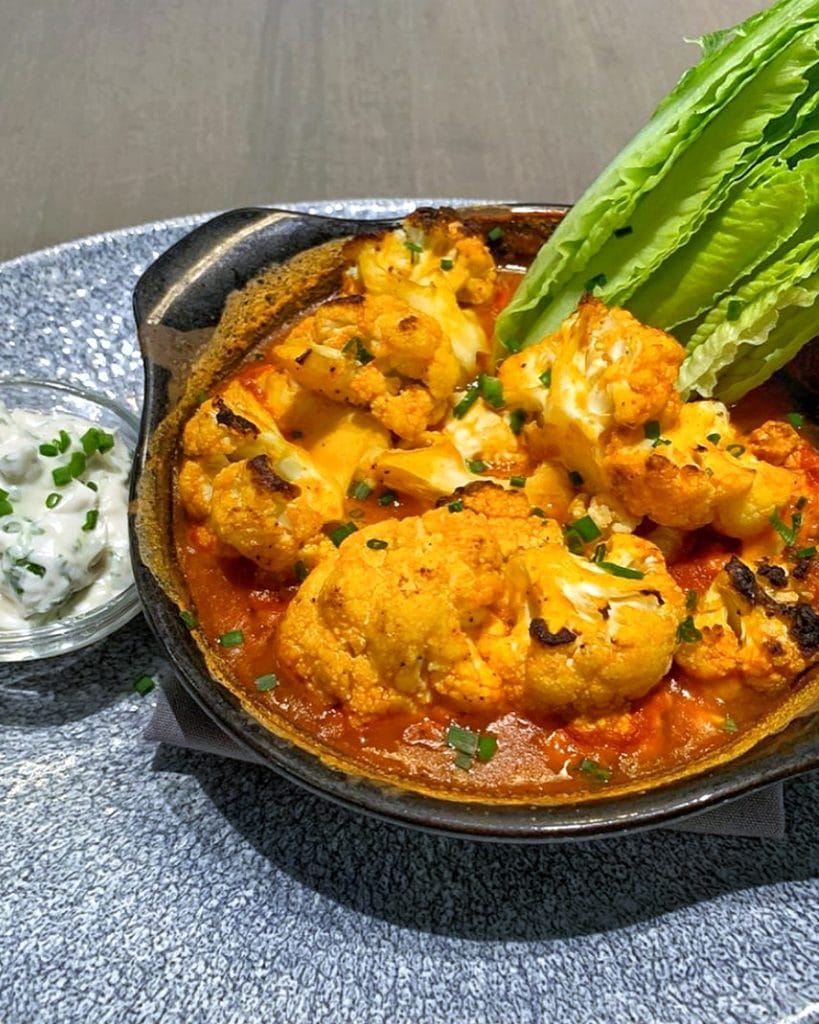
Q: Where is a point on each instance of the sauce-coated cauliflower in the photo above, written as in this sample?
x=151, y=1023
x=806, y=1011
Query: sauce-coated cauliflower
x=375, y=352
x=485, y=613
x=696, y=473
x=439, y=269
x=754, y=626
x=608, y=371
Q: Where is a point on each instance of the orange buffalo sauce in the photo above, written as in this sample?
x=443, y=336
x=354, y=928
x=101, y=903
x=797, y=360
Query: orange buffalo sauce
x=679, y=721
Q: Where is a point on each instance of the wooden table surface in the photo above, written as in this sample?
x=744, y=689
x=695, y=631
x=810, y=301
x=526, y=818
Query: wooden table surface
x=115, y=112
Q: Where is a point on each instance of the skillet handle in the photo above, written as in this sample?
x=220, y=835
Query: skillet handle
x=187, y=286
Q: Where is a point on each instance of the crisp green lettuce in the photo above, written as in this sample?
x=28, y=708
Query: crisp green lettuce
x=719, y=189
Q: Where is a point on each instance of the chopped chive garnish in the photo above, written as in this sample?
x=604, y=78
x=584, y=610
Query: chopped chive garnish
x=144, y=685
x=517, y=481
x=233, y=638
x=35, y=569
x=623, y=571
x=517, y=417
x=660, y=440
x=537, y=511
x=90, y=440
x=269, y=681
x=357, y=348
x=49, y=450
x=64, y=442
x=713, y=438
x=476, y=466
x=469, y=745
x=796, y=420
x=729, y=725
x=546, y=378
x=598, y=281
x=599, y=553
x=626, y=229
x=413, y=246
x=201, y=397
x=651, y=430
x=691, y=598
x=464, y=740
x=487, y=747
x=189, y=619
x=687, y=632
x=733, y=310
x=575, y=478
x=387, y=498
x=805, y=552
x=447, y=264
x=491, y=390
x=465, y=404
x=6, y=507
x=573, y=541
x=301, y=571
x=456, y=506
x=53, y=500
x=91, y=485
x=359, y=490
x=787, y=533
x=76, y=464
x=585, y=528
x=735, y=449
x=495, y=235
x=61, y=476
x=340, y=533
x=3, y=494
x=374, y=544
x=91, y=518
x=594, y=770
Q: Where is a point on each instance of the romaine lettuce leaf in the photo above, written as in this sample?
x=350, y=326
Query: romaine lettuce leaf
x=716, y=190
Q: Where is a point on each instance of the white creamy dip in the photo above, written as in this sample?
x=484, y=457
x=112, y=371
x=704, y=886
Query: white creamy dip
x=63, y=517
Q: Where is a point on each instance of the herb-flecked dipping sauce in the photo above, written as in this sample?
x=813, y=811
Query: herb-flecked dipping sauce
x=63, y=518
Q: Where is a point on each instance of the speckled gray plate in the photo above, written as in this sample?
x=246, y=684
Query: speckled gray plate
x=141, y=886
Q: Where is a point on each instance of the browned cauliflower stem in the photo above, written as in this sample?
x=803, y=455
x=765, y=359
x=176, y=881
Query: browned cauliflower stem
x=482, y=604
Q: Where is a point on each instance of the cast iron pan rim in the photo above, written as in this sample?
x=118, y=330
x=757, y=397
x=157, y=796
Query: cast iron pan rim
x=505, y=823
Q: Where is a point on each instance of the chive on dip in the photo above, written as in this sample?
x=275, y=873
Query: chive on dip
x=63, y=517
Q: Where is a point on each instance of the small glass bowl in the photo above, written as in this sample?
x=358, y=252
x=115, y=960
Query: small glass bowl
x=70, y=634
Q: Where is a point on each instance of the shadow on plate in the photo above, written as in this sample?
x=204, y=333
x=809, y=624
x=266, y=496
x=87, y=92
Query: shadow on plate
x=486, y=891
x=51, y=691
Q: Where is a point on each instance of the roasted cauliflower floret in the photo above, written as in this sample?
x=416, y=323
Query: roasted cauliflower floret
x=597, y=639
x=374, y=352
x=432, y=249
x=438, y=269
x=485, y=612
x=608, y=372
x=266, y=518
x=387, y=629
x=261, y=495
x=753, y=626
x=694, y=473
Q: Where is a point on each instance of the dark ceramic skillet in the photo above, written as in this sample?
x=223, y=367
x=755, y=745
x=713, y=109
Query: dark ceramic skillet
x=177, y=303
